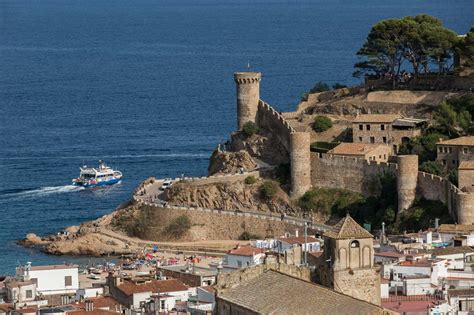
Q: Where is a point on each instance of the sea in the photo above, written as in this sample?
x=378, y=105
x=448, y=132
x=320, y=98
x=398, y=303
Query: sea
x=147, y=86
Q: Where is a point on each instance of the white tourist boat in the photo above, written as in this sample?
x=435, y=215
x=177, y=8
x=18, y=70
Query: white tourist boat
x=100, y=176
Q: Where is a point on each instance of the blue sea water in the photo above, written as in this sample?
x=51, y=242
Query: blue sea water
x=147, y=86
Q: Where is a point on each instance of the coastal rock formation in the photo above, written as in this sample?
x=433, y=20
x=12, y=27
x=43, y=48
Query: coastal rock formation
x=229, y=196
x=230, y=162
x=263, y=146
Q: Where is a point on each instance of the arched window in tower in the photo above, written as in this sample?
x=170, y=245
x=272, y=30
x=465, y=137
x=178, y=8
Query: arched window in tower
x=355, y=244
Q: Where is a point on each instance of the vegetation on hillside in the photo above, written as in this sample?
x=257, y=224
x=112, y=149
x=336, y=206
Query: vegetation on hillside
x=247, y=236
x=268, y=189
x=321, y=123
x=250, y=180
x=466, y=49
x=179, y=226
x=249, y=129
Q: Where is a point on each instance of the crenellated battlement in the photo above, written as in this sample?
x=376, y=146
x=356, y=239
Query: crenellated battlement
x=247, y=77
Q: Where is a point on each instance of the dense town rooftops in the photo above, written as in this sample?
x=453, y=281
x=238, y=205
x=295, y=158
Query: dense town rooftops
x=246, y=251
x=102, y=302
x=376, y=118
x=465, y=141
x=289, y=295
x=298, y=240
x=452, y=250
x=195, y=270
x=466, y=165
x=162, y=286
x=361, y=149
x=461, y=292
x=347, y=228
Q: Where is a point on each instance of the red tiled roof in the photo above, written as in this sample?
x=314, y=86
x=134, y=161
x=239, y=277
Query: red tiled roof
x=389, y=254
x=155, y=286
x=383, y=280
x=408, y=306
x=101, y=302
x=26, y=310
x=246, y=251
x=317, y=254
x=298, y=240
x=94, y=312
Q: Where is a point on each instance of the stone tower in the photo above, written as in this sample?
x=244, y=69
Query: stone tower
x=407, y=178
x=348, y=265
x=300, y=161
x=465, y=207
x=248, y=95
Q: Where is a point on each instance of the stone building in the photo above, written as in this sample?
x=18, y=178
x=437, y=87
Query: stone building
x=466, y=176
x=348, y=262
x=281, y=290
x=367, y=151
x=390, y=129
x=452, y=152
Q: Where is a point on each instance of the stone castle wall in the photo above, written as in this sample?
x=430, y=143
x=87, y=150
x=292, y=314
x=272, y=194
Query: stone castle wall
x=268, y=118
x=347, y=172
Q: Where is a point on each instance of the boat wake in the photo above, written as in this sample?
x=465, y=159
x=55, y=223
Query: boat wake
x=41, y=192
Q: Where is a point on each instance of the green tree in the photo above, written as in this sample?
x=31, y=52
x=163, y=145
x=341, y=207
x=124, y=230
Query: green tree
x=249, y=128
x=250, y=180
x=451, y=122
x=320, y=86
x=453, y=177
x=322, y=123
x=440, y=43
x=432, y=167
x=383, y=48
x=465, y=48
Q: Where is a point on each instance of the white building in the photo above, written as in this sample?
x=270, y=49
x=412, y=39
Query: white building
x=312, y=244
x=456, y=256
x=434, y=269
x=244, y=256
x=53, y=279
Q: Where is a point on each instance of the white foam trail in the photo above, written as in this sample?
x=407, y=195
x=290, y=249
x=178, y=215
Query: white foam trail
x=45, y=191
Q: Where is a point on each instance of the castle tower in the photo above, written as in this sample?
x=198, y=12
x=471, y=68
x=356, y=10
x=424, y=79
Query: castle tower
x=407, y=177
x=300, y=161
x=465, y=207
x=349, y=261
x=248, y=95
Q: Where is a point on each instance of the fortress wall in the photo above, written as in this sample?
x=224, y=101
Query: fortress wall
x=432, y=187
x=270, y=119
x=347, y=172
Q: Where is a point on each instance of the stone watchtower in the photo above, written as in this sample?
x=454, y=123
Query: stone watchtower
x=300, y=161
x=348, y=265
x=248, y=96
x=407, y=178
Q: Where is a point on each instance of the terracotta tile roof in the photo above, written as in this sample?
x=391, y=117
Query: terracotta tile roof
x=298, y=240
x=383, y=280
x=273, y=292
x=452, y=250
x=53, y=267
x=347, y=228
x=466, y=165
x=26, y=310
x=6, y=307
x=390, y=254
x=317, y=254
x=246, y=251
x=468, y=141
x=376, y=118
x=209, y=289
x=456, y=228
x=361, y=149
x=155, y=286
x=94, y=312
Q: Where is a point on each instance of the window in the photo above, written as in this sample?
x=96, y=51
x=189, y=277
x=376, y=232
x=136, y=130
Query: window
x=444, y=162
x=29, y=294
x=454, y=162
x=385, y=156
x=360, y=139
x=382, y=127
x=162, y=306
x=465, y=150
x=440, y=149
x=361, y=127
x=367, y=127
x=450, y=150
x=380, y=156
x=355, y=244
x=372, y=139
x=384, y=139
x=68, y=281
x=239, y=263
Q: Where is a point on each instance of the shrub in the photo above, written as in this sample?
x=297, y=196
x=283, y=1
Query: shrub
x=329, y=200
x=247, y=236
x=249, y=180
x=432, y=167
x=249, y=128
x=268, y=189
x=179, y=225
x=422, y=215
x=339, y=86
x=453, y=177
x=322, y=123
x=320, y=86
